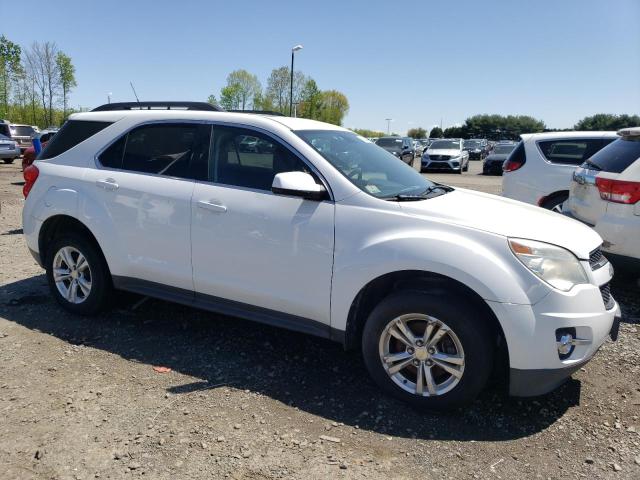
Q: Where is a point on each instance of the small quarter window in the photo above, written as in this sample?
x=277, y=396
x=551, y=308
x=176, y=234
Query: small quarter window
x=71, y=134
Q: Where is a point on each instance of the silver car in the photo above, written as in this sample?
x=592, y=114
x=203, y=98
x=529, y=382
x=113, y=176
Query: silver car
x=9, y=149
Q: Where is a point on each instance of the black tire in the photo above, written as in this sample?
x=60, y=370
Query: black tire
x=101, y=290
x=461, y=318
x=555, y=202
x=8, y=160
x=466, y=167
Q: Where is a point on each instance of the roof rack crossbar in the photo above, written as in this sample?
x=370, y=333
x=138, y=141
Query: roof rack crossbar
x=202, y=106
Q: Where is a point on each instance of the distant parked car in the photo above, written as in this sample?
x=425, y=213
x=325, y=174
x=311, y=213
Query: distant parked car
x=539, y=170
x=605, y=194
x=22, y=134
x=446, y=154
x=492, y=164
x=29, y=154
x=401, y=147
x=9, y=149
x=477, y=148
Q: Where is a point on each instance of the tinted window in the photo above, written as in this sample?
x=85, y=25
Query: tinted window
x=22, y=131
x=389, y=142
x=4, y=129
x=71, y=134
x=164, y=149
x=569, y=151
x=617, y=156
x=249, y=159
x=445, y=144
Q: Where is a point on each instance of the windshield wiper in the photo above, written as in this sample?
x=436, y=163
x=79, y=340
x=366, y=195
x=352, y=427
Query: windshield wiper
x=422, y=196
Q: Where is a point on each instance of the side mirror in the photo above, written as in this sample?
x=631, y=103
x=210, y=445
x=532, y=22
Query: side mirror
x=298, y=184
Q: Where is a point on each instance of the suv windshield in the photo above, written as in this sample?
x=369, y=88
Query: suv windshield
x=371, y=169
x=616, y=156
x=445, y=145
x=472, y=143
x=389, y=142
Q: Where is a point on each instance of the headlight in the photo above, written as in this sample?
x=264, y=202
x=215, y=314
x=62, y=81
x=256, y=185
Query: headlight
x=558, y=267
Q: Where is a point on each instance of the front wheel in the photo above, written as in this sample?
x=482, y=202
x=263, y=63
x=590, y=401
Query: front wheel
x=433, y=353
x=78, y=276
x=8, y=160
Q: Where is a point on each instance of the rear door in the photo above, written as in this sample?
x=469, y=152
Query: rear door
x=145, y=183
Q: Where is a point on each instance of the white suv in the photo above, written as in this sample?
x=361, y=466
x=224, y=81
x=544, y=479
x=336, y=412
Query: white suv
x=539, y=169
x=605, y=193
x=308, y=226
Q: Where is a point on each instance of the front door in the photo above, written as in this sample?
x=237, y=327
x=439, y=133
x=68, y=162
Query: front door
x=255, y=248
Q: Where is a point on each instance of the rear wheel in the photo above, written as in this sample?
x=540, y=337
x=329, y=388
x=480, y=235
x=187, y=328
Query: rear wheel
x=556, y=202
x=432, y=353
x=78, y=275
x=8, y=160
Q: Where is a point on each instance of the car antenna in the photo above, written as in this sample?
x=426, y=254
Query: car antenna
x=134, y=92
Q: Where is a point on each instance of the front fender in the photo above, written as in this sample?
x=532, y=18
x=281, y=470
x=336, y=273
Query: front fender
x=480, y=260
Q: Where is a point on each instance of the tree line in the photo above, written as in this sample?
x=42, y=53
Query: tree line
x=243, y=91
x=510, y=127
x=35, y=83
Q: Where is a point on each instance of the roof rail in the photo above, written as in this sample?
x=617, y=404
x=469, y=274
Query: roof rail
x=203, y=106
x=259, y=112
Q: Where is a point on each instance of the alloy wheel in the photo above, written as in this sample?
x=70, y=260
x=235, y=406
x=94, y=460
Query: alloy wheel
x=72, y=275
x=421, y=354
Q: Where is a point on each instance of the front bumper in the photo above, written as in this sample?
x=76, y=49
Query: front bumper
x=444, y=165
x=536, y=366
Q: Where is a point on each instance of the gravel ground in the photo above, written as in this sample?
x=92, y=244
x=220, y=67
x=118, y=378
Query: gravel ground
x=79, y=398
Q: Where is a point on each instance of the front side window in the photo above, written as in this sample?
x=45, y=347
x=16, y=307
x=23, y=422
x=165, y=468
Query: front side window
x=249, y=159
x=370, y=168
x=171, y=149
x=569, y=151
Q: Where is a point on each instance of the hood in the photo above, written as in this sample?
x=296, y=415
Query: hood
x=496, y=157
x=452, y=152
x=509, y=218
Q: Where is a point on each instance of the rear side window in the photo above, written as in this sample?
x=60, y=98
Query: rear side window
x=71, y=134
x=569, y=151
x=617, y=156
x=174, y=150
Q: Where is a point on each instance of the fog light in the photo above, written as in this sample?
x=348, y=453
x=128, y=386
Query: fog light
x=565, y=344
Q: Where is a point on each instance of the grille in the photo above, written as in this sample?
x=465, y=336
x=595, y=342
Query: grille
x=605, y=290
x=439, y=157
x=597, y=259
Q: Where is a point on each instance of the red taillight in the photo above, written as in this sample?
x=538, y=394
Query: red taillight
x=511, y=165
x=30, y=175
x=618, y=191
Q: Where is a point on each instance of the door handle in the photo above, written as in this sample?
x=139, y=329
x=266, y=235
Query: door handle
x=212, y=207
x=107, y=184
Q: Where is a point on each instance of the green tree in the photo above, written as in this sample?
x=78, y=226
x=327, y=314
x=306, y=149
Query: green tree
x=417, y=133
x=455, y=132
x=501, y=127
x=245, y=86
x=334, y=106
x=277, y=92
x=310, y=100
x=607, y=121
x=67, y=71
x=212, y=100
x=9, y=68
x=363, y=132
x=230, y=97
x=436, y=132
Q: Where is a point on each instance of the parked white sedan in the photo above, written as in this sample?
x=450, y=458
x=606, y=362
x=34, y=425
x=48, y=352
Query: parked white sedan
x=605, y=194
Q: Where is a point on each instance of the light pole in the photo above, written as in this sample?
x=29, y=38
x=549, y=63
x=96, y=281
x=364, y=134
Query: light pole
x=293, y=51
x=109, y=97
x=389, y=120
